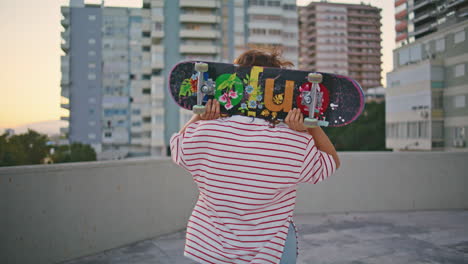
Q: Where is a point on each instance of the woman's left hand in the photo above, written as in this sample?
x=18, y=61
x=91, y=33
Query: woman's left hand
x=295, y=120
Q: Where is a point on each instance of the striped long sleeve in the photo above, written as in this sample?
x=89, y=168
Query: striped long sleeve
x=247, y=174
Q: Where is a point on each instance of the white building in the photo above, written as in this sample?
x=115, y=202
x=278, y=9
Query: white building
x=427, y=92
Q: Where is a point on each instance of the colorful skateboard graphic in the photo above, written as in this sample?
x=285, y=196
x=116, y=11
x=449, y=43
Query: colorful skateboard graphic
x=268, y=93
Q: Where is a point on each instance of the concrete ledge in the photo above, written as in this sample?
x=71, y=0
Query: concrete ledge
x=53, y=213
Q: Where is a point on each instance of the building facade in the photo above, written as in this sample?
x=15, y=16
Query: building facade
x=427, y=92
x=106, y=80
x=415, y=19
x=125, y=109
x=343, y=39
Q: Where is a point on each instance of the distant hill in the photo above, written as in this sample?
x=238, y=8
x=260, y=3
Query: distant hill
x=51, y=127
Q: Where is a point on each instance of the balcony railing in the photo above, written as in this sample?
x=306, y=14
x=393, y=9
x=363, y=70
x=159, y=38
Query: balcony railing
x=65, y=22
x=423, y=3
x=199, y=3
x=65, y=47
x=195, y=18
x=199, y=49
x=201, y=34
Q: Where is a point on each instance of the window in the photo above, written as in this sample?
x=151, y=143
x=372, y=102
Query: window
x=91, y=17
x=459, y=37
x=91, y=76
x=91, y=53
x=459, y=101
x=92, y=65
x=437, y=129
x=146, y=91
x=459, y=133
x=136, y=111
x=92, y=136
x=422, y=130
x=92, y=123
x=91, y=41
x=440, y=45
x=92, y=100
x=459, y=70
x=147, y=119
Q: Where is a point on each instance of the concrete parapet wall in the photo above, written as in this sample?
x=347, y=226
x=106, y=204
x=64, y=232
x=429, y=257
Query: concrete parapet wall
x=51, y=213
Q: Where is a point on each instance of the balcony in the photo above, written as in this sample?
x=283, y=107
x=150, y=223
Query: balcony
x=157, y=34
x=65, y=35
x=195, y=18
x=199, y=3
x=157, y=3
x=65, y=46
x=64, y=130
x=199, y=49
x=66, y=211
x=65, y=10
x=65, y=118
x=199, y=34
x=65, y=61
x=65, y=106
x=423, y=3
x=146, y=42
x=65, y=22
x=65, y=91
x=402, y=26
x=424, y=29
x=367, y=38
x=65, y=81
x=157, y=48
x=146, y=26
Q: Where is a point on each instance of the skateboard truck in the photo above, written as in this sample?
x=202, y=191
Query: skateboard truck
x=310, y=98
x=204, y=87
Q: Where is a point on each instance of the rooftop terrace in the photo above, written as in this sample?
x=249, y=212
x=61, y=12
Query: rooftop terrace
x=379, y=207
x=398, y=237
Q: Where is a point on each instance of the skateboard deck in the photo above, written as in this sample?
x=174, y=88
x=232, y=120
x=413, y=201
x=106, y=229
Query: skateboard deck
x=266, y=92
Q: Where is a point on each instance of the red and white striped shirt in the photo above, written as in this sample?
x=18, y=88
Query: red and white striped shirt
x=247, y=173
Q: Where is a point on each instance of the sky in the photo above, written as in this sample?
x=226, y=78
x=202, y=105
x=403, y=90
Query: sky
x=30, y=62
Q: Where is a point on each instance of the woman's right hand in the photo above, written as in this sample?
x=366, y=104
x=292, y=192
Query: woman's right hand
x=295, y=120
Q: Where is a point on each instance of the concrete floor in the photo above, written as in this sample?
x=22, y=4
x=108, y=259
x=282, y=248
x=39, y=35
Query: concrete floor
x=396, y=237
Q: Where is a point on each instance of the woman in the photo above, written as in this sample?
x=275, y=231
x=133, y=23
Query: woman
x=247, y=172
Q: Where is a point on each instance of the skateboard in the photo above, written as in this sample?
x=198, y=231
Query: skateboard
x=270, y=93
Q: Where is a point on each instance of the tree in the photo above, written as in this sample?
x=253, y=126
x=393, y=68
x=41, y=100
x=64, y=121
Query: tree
x=74, y=153
x=365, y=134
x=23, y=149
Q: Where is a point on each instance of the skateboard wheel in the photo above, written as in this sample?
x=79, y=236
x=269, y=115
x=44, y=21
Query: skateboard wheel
x=201, y=67
x=199, y=109
x=315, y=77
x=310, y=122
x=207, y=89
x=322, y=123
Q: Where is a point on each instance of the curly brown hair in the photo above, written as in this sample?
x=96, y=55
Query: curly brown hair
x=265, y=58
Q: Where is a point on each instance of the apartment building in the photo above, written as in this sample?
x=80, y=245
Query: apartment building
x=426, y=95
x=213, y=30
x=106, y=80
x=418, y=18
x=343, y=39
x=129, y=54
